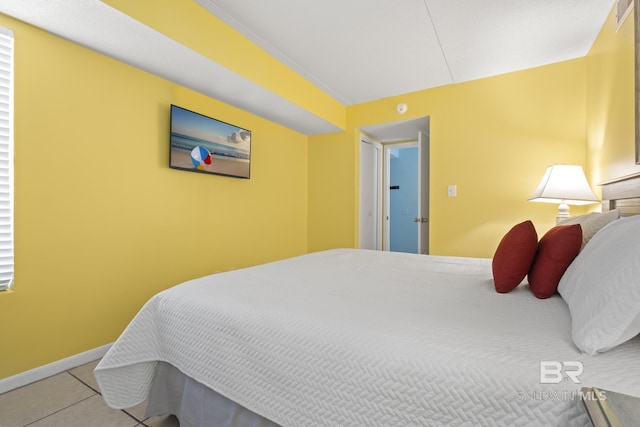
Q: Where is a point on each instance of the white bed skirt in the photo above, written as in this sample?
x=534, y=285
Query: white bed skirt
x=196, y=405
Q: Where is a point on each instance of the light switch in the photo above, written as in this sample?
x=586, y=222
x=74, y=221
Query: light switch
x=452, y=190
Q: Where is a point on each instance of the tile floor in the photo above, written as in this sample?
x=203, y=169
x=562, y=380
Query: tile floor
x=70, y=399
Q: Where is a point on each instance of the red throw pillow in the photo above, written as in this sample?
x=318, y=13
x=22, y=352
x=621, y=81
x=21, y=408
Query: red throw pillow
x=514, y=256
x=556, y=250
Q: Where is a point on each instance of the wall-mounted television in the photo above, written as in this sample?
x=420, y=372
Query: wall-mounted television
x=206, y=145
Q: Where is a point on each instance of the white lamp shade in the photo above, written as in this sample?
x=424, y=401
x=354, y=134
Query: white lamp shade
x=564, y=184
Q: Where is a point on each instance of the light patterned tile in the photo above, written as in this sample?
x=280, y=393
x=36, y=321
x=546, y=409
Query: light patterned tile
x=85, y=374
x=90, y=412
x=40, y=399
x=137, y=411
x=163, y=421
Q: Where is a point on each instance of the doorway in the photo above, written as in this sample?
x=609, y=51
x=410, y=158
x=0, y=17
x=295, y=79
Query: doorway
x=414, y=216
x=402, y=199
x=406, y=187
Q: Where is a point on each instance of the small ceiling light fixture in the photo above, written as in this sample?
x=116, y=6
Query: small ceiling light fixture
x=401, y=108
x=566, y=185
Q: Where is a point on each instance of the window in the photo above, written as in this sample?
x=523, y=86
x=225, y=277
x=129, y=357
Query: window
x=6, y=159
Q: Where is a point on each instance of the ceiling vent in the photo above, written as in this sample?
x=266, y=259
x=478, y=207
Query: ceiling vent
x=623, y=8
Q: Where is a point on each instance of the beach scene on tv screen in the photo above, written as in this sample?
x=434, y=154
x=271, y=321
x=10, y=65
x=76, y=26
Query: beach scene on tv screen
x=204, y=144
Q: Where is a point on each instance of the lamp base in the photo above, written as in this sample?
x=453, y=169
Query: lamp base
x=563, y=212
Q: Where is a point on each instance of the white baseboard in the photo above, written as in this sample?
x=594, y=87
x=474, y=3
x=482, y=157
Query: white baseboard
x=42, y=372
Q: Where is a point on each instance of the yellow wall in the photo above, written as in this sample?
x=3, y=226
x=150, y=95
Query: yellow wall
x=101, y=222
x=610, y=103
x=332, y=193
x=493, y=138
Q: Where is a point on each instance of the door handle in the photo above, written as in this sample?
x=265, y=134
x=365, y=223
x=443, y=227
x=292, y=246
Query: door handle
x=420, y=219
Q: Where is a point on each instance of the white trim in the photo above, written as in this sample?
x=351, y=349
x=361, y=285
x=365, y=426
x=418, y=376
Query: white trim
x=42, y=372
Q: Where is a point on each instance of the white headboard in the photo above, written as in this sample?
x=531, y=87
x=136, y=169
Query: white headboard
x=622, y=193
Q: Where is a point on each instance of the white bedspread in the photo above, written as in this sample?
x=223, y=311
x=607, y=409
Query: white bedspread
x=364, y=338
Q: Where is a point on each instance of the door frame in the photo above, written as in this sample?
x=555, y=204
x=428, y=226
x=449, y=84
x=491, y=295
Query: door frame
x=424, y=192
x=364, y=139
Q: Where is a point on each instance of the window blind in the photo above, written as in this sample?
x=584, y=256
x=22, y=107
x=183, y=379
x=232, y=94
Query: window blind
x=6, y=159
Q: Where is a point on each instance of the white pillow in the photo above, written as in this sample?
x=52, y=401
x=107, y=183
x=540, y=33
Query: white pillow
x=602, y=288
x=592, y=222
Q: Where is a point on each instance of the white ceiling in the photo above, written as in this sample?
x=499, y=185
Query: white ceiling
x=355, y=50
x=363, y=50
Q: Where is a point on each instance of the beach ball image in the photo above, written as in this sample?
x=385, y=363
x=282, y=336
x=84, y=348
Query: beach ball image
x=200, y=156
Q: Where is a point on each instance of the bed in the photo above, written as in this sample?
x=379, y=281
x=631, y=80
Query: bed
x=351, y=337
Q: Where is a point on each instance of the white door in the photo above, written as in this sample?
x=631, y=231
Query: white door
x=370, y=194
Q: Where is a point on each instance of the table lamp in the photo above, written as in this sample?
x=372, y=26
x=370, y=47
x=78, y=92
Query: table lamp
x=566, y=185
